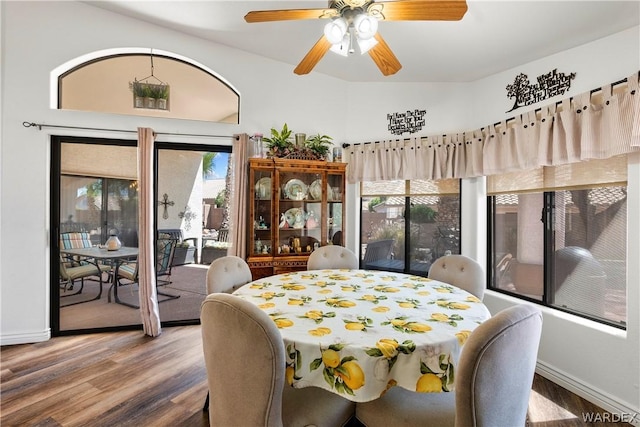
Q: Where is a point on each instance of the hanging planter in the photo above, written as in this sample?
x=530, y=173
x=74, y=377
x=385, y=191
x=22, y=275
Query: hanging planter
x=150, y=96
x=150, y=103
x=161, y=95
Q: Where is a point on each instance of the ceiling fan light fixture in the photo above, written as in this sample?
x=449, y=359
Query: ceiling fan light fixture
x=366, y=45
x=366, y=26
x=346, y=20
x=342, y=48
x=335, y=30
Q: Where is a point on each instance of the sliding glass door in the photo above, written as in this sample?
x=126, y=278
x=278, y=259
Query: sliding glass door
x=101, y=207
x=192, y=217
x=94, y=195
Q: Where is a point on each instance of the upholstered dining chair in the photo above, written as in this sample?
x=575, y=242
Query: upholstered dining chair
x=332, y=256
x=492, y=385
x=460, y=271
x=227, y=273
x=245, y=362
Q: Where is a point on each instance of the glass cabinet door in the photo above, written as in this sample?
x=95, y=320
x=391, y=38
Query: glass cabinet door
x=300, y=215
x=335, y=192
x=261, y=212
x=296, y=206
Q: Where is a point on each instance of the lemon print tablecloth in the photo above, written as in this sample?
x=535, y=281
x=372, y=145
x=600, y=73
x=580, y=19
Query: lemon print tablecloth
x=358, y=332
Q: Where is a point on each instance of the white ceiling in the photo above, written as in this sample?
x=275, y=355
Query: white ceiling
x=493, y=36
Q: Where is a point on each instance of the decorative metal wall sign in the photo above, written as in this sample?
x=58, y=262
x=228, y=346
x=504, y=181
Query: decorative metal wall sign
x=409, y=122
x=166, y=203
x=187, y=215
x=548, y=85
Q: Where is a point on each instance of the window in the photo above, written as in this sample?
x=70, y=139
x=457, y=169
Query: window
x=426, y=211
x=109, y=82
x=558, y=236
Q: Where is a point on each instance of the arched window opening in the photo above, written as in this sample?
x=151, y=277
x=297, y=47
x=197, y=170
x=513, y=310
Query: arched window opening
x=106, y=82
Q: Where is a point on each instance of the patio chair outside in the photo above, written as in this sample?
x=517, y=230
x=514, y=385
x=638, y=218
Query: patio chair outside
x=377, y=251
x=166, y=250
x=186, y=251
x=70, y=272
x=164, y=262
x=75, y=240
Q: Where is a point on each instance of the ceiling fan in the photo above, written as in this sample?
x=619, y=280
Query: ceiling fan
x=356, y=22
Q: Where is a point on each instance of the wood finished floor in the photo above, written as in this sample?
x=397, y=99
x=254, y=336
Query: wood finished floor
x=128, y=379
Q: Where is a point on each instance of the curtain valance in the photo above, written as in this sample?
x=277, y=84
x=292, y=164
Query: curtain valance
x=593, y=125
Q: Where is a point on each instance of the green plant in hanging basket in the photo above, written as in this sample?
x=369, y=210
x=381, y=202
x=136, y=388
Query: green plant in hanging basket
x=137, y=88
x=160, y=91
x=319, y=145
x=280, y=143
x=146, y=90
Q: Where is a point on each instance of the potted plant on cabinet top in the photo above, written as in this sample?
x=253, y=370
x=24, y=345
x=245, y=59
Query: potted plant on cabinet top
x=319, y=145
x=279, y=144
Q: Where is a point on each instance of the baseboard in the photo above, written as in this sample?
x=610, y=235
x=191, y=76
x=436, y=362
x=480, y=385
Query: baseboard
x=25, y=337
x=588, y=392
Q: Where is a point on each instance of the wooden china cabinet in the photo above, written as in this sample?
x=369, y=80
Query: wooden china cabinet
x=295, y=207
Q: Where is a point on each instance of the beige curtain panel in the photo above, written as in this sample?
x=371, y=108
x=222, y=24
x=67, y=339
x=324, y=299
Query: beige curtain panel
x=239, y=186
x=149, y=311
x=596, y=125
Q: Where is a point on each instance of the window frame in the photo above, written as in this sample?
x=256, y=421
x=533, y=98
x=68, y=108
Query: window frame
x=407, y=223
x=547, y=218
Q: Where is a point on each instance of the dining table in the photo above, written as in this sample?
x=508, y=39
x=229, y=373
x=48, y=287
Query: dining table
x=358, y=333
x=113, y=257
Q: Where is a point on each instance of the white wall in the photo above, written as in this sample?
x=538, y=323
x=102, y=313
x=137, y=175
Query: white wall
x=446, y=104
x=597, y=361
x=40, y=36
x=598, y=63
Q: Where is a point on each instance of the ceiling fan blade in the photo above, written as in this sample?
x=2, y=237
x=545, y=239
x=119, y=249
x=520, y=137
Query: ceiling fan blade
x=288, y=15
x=314, y=56
x=384, y=58
x=419, y=10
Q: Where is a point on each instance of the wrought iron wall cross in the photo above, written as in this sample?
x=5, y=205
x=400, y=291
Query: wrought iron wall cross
x=166, y=203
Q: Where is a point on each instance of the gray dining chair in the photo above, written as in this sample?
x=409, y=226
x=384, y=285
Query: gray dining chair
x=245, y=361
x=492, y=385
x=460, y=271
x=227, y=273
x=332, y=256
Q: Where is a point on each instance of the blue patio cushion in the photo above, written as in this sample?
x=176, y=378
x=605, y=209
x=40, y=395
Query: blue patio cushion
x=164, y=247
x=75, y=240
x=129, y=270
